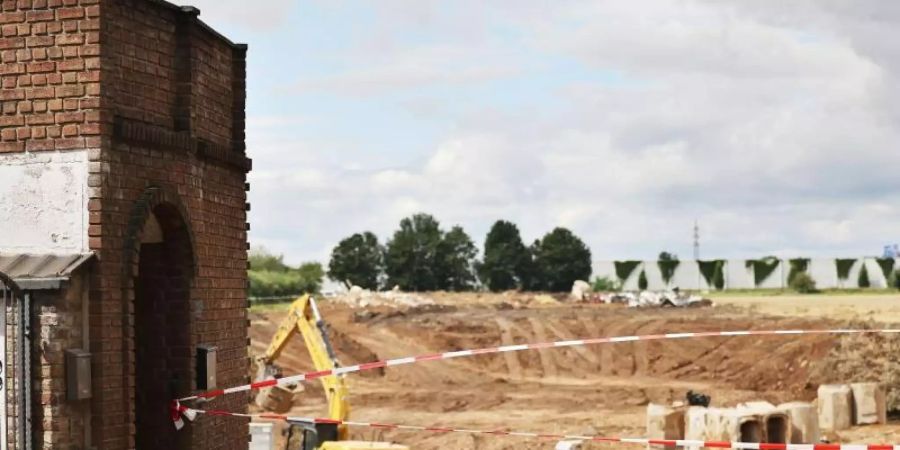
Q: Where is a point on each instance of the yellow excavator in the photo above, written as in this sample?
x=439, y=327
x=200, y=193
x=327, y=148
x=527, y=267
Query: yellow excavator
x=304, y=318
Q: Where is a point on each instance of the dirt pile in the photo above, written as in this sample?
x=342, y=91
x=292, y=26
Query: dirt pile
x=864, y=358
x=602, y=387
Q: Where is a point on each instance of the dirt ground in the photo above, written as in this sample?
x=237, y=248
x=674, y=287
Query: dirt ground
x=602, y=389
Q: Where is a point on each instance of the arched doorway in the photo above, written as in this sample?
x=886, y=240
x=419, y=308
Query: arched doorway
x=162, y=332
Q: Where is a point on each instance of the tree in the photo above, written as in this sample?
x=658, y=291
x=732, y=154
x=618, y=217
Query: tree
x=803, y=283
x=560, y=259
x=411, y=254
x=506, y=260
x=261, y=259
x=863, y=281
x=604, y=284
x=357, y=260
x=666, y=256
x=271, y=277
x=642, y=281
x=456, y=255
x=668, y=263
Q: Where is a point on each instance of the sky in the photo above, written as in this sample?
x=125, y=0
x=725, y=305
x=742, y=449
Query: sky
x=774, y=125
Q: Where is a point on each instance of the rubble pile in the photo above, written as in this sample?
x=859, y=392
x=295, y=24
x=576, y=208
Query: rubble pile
x=358, y=297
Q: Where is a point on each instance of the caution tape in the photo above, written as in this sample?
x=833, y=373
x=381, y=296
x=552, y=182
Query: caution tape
x=192, y=414
x=509, y=348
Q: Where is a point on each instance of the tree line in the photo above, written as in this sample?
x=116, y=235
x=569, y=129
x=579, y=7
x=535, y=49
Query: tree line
x=270, y=276
x=421, y=256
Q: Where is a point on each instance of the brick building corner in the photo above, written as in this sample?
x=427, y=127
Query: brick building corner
x=122, y=158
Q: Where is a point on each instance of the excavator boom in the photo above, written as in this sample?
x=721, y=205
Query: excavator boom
x=304, y=318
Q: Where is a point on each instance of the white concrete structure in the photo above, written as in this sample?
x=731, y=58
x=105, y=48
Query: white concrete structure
x=835, y=403
x=261, y=436
x=738, y=276
x=869, y=404
x=44, y=202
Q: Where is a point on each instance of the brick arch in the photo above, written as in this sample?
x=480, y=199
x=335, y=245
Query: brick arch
x=150, y=199
x=166, y=207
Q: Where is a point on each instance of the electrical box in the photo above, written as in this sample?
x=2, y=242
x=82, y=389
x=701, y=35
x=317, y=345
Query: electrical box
x=206, y=367
x=78, y=374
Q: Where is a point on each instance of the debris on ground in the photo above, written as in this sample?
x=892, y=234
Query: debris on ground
x=362, y=298
x=580, y=290
x=645, y=299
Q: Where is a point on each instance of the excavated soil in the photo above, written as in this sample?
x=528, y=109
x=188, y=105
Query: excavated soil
x=601, y=389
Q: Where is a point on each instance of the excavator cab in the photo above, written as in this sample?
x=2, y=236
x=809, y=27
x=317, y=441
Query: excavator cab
x=324, y=436
x=307, y=436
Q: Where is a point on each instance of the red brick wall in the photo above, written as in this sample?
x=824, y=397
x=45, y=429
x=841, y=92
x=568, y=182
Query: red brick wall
x=157, y=98
x=176, y=123
x=50, y=74
x=58, y=422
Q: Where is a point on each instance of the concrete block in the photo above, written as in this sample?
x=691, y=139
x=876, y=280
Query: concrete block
x=804, y=422
x=695, y=423
x=261, y=436
x=869, y=405
x=777, y=427
x=835, y=407
x=664, y=422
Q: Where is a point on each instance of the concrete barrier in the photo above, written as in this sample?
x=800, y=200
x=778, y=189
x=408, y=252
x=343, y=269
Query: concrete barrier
x=835, y=407
x=869, y=406
x=261, y=436
x=664, y=422
x=804, y=422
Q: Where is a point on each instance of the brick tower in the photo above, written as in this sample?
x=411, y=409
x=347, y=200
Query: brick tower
x=126, y=118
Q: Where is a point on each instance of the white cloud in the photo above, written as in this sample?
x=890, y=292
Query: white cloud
x=774, y=124
x=256, y=16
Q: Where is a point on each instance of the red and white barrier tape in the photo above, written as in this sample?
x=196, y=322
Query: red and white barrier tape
x=192, y=414
x=510, y=348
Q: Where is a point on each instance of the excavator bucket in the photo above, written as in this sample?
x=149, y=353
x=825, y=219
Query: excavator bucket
x=277, y=399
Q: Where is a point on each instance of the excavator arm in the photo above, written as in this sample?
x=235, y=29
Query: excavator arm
x=304, y=318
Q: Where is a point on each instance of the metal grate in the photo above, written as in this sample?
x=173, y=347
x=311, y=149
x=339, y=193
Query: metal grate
x=10, y=365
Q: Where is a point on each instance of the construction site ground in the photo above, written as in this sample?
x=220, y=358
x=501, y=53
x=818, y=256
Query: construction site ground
x=602, y=389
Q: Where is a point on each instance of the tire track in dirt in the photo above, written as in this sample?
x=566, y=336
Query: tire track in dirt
x=582, y=351
x=641, y=350
x=513, y=366
x=548, y=360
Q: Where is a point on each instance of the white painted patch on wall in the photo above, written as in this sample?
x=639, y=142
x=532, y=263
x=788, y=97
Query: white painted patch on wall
x=43, y=202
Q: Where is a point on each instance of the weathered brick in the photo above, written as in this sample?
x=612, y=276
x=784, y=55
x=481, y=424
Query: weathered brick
x=70, y=130
x=39, y=67
x=39, y=144
x=39, y=41
x=8, y=134
x=12, y=16
x=39, y=93
x=69, y=39
x=12, y=42
x=40, y=15
x=12, y=94
x=70, y=91
x=11, y=121
x=70, y=65
x=12, y=68
x=39, y=79
x=69, y=117
x=69, y=13
x=7, y=147
x=40, y=119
